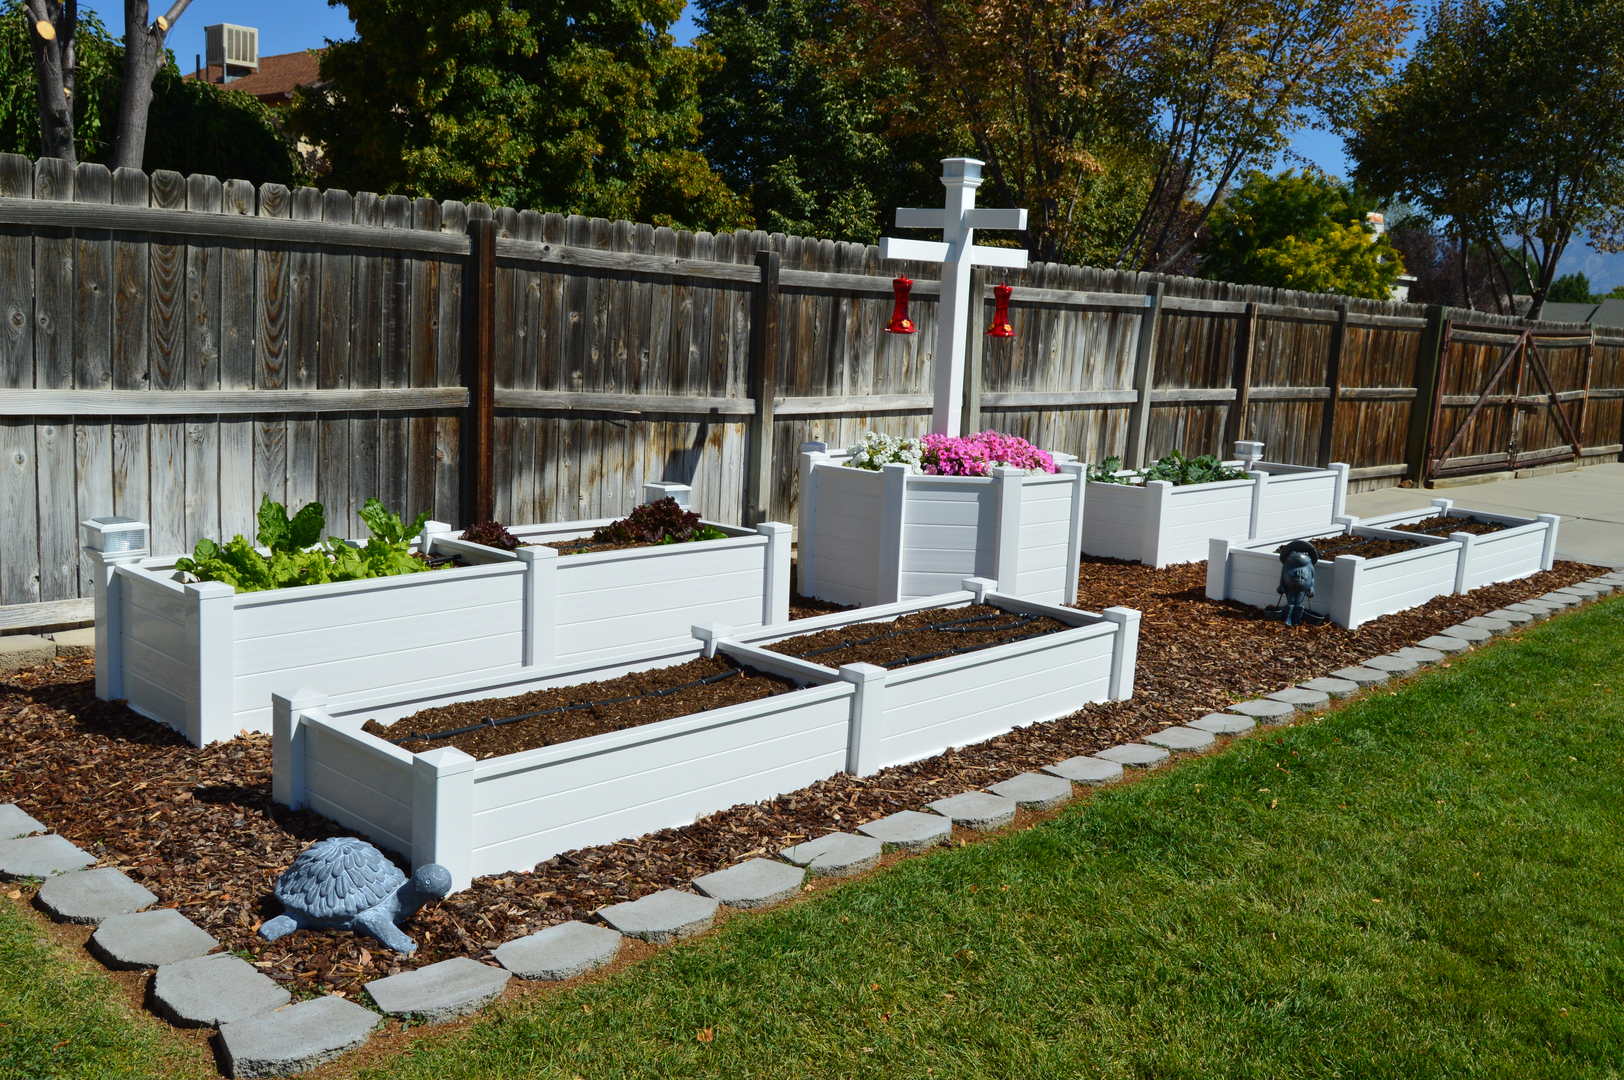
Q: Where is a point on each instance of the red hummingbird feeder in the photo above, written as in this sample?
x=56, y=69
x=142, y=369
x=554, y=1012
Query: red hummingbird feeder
x=1000, y=317
x=900, y=323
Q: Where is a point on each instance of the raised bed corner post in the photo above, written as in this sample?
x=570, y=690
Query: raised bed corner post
x=443, y=813
x=1144, y=370
x=210, y=708
x=109, y=543
x=1125, y=656
x=1007, y=546
x=763, y=387
x=867, y=717
x=893, y=499
x=775, y=597
x=1074, y=536
x=1424, y=407
x=1157, y=494
x=288, y=745
x=540, y=605
x=1548, y=557
x=806, y=510
x=1333, y=382
x=479, y=373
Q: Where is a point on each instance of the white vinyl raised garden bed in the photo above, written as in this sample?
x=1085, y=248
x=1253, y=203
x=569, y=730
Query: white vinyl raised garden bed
x=1158, y=523
x=1354, y=590
x=205, y=659
x=868, y=537
x=1524, y=548
x=512, y=811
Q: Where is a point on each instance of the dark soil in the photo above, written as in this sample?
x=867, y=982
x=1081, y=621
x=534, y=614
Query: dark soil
x=604, y=708
x=584, y=545
x=805, y=607
x=198, y=828
x=915, y=638
x=1366, y=547
x=1443, y=525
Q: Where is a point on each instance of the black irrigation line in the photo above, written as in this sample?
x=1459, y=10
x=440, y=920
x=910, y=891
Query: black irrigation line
x=959, y=626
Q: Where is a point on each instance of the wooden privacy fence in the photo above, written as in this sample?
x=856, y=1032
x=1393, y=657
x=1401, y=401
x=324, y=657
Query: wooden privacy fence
x=174, y=348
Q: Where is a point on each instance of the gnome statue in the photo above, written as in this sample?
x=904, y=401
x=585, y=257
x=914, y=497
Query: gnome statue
x=1297, y=562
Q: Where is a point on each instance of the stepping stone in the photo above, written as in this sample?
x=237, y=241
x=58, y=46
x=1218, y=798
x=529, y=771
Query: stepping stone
x=1584, y=591
x=1184, y=739
x=753, y=883
x=1086, y=770
x=1300, y=699
x=1616, y=580
x=40, y=857
x=663, y=916
x=1134, y=755
x=1475, y=635
x=1337, y=688
x=1393, y=665
x=1538, y=609
x=1034, y=791
x=213, y=990
x=560, y=952
x=1601, y=585
x=1448, y=643
x=149, y=939
x=1492, y=625
x=1364, y=676
x=1561, y=599
x=1224, y=724
x=1263, y=709
x=15, y=823
x=295, y=1039
x=1419, y=655
x=977, y=810
x=439, y=992
x=1515, y=618
x=92, y=896
x=836, y=855
x=909, y=830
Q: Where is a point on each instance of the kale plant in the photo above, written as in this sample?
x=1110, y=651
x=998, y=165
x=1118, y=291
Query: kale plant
x=1175, y=468
x=662, y=522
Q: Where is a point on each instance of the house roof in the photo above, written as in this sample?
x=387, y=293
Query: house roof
x=1606, y=313
x=276, y=78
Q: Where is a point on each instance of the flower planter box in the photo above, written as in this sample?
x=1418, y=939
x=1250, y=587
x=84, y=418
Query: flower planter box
x=1159, y=524
x=205, y=659
x=1524, y=548
x=512, y=811
x=869, y=537
x=1350, y=589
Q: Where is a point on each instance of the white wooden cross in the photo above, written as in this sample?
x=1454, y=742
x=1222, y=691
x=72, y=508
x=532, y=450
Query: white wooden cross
x=958, y=221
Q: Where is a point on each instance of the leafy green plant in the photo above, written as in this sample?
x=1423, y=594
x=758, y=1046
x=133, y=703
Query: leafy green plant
x=661, y=522
x=297, y=556
x=491, y=534
x=1175, y=468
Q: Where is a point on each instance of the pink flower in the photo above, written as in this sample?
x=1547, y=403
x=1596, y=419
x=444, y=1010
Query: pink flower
x=974, y=455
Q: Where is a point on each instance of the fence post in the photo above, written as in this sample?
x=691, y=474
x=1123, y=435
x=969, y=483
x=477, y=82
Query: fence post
x=763, y=386
x=971, y=422
x=1427, y=359
x=1144, y=370
x=1333, y=381
x=479, y=372
x=1241, y=376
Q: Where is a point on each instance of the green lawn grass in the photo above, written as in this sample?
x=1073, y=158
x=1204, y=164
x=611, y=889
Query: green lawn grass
x=61, y=1017
x=1426, y=884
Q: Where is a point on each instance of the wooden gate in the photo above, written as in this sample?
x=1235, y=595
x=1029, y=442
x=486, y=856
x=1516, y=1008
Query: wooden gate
x=1508, y=398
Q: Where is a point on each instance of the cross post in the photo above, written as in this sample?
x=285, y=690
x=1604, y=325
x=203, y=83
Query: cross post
x=958, y=220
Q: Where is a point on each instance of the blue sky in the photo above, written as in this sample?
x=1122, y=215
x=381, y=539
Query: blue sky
x=290, y=25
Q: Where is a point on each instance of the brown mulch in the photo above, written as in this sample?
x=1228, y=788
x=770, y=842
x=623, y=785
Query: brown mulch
x=1442, y=525
x=601, y=708
x=912, y=638
x=198, y=828
x=1366, y=547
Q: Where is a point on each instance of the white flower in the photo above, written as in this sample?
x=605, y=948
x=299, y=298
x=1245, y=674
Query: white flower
x=879, y=449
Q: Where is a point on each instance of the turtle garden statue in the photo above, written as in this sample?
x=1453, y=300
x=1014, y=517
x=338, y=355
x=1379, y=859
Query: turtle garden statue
x=1297, y=562
x=347, y=884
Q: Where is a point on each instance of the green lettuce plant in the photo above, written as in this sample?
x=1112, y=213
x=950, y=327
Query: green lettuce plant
x=1175, y=468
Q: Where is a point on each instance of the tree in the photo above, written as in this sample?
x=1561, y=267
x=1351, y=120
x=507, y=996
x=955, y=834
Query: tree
x=1572, y=289
x=586, y=108
x=54, y=25
x=1194, y=90
x=1300, y=232
x=807, y=135
x=1508, y=124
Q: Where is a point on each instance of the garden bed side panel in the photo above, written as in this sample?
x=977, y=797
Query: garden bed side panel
x=950, y=527
x=1290, y=500
x=1365, y=589
x=530, y=806
x=840, y=520
x=967, y=699
x=1505, y=555
x=1050, y=540
x=1159, y=524
x=650, y=598
x=359, y=781
x=155, y=672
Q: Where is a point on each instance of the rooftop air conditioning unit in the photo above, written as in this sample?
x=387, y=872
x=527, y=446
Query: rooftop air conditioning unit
x=233, y=49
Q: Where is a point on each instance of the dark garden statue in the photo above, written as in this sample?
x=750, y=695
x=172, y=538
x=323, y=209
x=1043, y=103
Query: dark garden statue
x=347, y=884
x=1297, y=562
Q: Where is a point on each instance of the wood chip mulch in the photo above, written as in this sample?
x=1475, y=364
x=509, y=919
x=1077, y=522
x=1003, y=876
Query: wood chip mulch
x=198, y=828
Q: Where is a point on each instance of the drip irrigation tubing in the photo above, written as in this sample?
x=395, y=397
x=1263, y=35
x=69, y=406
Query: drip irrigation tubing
x=490, y=722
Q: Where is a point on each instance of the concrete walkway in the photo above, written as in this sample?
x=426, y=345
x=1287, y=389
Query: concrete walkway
x=1590, y=500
